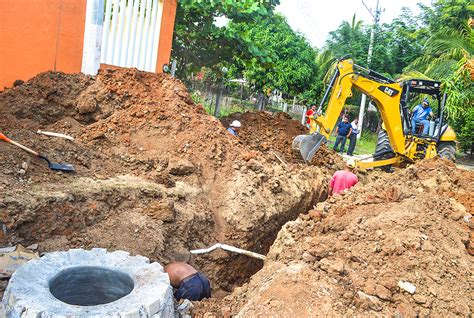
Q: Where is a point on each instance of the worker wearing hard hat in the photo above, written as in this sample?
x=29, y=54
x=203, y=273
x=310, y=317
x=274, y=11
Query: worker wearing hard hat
x=234, y=127
x=343, y=179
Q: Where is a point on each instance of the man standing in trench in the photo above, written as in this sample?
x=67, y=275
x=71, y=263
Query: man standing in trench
x=188, y=282
x=343, y=179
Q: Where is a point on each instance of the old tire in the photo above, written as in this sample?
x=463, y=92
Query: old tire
x=123, y=285
x=447, y=149
x=383, y=145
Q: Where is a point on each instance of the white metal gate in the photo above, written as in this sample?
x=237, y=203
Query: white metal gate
x=125, y=34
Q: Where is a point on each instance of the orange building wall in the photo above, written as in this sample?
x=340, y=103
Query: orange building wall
x=40, y=35
x=166, y=34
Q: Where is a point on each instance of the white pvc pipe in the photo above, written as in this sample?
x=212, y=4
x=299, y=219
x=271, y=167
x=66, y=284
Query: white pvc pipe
x=53, y=134
x=230, y=249
x=105, y=35
x=121, y=26
x=126, y=40
x=113, y=33
x=133, y=34
x=138, y=40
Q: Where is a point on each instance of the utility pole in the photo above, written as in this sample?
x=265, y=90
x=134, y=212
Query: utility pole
x=369, y=59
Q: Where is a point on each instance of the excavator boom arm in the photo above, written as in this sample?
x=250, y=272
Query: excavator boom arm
x=386, y=96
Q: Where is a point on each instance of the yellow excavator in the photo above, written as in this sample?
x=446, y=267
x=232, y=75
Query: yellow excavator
x=397, y=145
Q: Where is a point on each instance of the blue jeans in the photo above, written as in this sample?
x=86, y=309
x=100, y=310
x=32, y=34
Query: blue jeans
x=342, y=140
x=424, y=122
x=352, y=144
x=194, y=287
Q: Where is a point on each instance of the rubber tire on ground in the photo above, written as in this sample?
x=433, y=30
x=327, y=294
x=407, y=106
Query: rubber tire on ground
x=447, y=149
x=28, y=293
x=383, y=144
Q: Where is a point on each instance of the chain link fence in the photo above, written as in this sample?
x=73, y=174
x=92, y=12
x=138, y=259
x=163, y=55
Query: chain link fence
x=221, y=99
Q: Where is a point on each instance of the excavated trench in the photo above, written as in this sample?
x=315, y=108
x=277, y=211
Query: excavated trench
x=95, y=217
x=144, y=182
x=234, y=270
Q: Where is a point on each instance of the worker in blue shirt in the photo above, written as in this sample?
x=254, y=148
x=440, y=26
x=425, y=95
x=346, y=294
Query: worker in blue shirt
x=343, y=130
x=420, y=115
x=234, y=127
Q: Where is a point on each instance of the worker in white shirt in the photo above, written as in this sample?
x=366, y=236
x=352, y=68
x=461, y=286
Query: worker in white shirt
x=353, y=136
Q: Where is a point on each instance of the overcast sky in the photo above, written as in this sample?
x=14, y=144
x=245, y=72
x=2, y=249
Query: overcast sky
x=316, y=18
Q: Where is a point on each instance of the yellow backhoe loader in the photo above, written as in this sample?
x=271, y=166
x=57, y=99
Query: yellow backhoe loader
x=397, y=145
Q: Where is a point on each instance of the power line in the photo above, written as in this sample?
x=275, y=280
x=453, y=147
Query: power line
x=314, y=20
x=308, y=19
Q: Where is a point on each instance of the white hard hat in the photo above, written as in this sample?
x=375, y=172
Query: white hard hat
x=236, y=124
x=351, y=163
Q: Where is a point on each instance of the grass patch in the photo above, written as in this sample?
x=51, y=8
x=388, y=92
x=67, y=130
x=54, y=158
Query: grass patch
x=364, y=146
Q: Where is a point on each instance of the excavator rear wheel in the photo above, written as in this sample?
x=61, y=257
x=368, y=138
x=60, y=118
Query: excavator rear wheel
x=383, y=144
x=447, y=149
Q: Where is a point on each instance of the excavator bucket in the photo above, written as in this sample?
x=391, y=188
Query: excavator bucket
x=308, y=144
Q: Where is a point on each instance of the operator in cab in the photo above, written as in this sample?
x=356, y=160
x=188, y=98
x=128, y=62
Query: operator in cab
x=187, y=282
x=420, y=115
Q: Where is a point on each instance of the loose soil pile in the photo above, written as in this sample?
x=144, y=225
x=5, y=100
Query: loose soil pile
x=155, y=175
x=351, y=254
x=273, y=133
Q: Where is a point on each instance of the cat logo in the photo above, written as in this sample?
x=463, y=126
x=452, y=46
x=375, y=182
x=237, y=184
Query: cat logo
x=389, y=91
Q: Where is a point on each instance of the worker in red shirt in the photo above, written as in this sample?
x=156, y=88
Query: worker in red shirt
x=310, y=112
x=343, y=179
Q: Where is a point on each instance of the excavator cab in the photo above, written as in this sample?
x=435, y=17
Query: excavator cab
x=413, y=91
x=439, y=139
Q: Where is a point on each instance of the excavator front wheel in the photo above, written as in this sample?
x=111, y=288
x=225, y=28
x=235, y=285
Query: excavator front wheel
x=447, y=149
x=383, y=146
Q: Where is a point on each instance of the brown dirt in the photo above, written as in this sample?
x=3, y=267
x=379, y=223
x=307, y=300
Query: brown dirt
x=155, y=175
x=347, y=256
x=273, y=133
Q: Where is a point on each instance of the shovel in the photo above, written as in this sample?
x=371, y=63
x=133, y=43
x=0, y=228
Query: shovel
x=308, y=144
x=51, y=165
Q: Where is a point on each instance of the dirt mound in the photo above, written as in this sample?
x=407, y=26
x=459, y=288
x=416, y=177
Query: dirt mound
x=155, y=175
x=359, y=254
x=273, y=134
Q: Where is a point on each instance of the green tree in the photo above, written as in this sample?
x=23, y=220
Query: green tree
x=282, y=59
x=350, y=38
x=448, y=57
x=403, y=42
x=198, y=42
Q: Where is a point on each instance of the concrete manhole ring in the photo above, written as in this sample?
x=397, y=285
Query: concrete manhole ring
x=95, y=283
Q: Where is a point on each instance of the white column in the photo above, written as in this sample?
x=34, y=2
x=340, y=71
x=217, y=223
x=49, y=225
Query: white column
x=126, y=38
x=133, y=34
x=113, y=32
x=93, y=25
x=139, y=35
x=120, y=33
x=106, y=30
